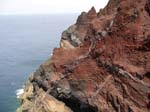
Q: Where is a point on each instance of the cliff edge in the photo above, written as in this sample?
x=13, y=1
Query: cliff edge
x=102, y=65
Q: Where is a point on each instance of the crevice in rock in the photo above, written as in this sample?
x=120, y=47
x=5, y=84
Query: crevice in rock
x=78, y=106
x=147, y=75
x=147, y=7
x=74, y=103
x=146, y=45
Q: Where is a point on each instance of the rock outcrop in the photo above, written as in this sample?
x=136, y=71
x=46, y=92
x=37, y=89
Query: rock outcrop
x=102, y=65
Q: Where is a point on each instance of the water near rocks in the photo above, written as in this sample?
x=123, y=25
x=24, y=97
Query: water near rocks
x=25, y=42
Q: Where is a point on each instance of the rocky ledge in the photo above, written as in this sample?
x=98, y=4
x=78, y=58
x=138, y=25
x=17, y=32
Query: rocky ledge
x=102, y=65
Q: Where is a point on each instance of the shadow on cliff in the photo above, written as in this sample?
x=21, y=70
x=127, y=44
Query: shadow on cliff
x=78, y=106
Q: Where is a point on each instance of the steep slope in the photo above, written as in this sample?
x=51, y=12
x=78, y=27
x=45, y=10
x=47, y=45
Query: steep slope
x=102, y=65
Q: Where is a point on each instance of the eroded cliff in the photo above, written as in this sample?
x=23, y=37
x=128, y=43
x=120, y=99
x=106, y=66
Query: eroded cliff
x=102, y=65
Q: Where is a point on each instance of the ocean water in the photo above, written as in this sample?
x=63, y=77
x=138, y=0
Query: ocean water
x=26, y=41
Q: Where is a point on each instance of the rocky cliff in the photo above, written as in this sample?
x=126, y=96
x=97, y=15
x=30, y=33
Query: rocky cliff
x=102, y=65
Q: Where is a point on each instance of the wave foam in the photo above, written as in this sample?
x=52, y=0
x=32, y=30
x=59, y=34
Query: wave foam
x=19, y=92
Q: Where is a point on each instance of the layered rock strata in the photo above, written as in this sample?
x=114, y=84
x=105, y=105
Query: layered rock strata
x=102, y=65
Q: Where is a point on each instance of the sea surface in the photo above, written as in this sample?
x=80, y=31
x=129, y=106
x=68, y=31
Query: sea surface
x=26, y=41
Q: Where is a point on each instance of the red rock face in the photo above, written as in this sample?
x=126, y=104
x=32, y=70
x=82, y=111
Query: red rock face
x=109, y=70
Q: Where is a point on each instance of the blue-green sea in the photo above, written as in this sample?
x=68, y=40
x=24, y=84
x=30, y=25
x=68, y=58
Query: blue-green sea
x=26, y=41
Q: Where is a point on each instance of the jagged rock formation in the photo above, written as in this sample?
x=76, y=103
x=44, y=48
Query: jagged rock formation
x=102, y=65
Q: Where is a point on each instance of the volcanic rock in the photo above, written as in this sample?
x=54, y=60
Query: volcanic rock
x=102, y=65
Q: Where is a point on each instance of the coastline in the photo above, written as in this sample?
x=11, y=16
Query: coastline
x=101, y=64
